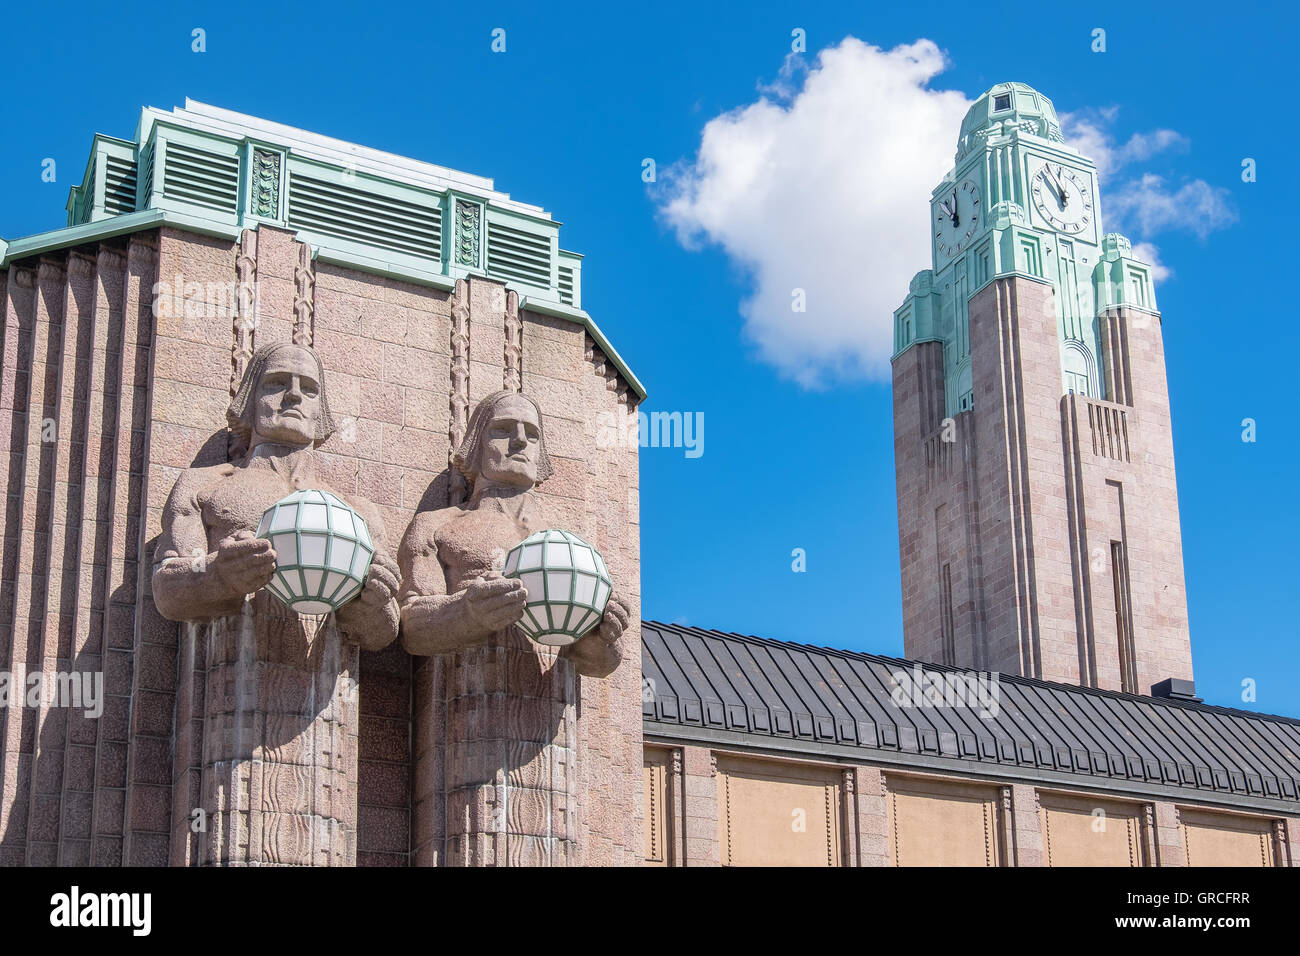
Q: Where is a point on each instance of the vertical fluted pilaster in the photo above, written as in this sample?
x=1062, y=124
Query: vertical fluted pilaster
x=58, y=726
x=36, y=294
x=123, y=713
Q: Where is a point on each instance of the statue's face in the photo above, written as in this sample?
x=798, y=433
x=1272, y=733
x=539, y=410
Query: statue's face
x=287, y=402
x=511, y=444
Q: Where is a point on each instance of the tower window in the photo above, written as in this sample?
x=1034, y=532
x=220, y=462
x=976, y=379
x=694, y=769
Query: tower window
x=1001, y=102
x=947, y=630
x=1123, y=618
x=1076, y=383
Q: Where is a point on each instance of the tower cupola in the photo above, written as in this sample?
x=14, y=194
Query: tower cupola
x=1004, y=108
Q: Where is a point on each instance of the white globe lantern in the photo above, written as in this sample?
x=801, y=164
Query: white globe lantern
x=322, y=551
x=568, y=586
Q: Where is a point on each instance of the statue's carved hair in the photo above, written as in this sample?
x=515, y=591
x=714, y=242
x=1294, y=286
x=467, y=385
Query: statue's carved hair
x=468, y=455
x=239, y=416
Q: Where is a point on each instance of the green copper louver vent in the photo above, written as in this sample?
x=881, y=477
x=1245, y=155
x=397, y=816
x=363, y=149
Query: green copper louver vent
x=334, y=209
x=218, y=173
x=566, y=285
x=86, y=204
x=201, y=177
x=519, y=255
x=119, y=186
x=144, y=180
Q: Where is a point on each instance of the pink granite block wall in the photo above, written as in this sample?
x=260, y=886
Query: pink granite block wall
x=132, y=347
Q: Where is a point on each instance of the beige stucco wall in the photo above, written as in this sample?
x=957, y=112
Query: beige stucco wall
x=771, y=811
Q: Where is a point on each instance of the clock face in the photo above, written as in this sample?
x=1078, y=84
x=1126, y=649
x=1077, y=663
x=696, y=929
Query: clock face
x=1062, y=197
x=956, y=217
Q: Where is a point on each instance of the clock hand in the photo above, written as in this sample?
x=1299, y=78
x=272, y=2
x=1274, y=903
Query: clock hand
x=1061, y=194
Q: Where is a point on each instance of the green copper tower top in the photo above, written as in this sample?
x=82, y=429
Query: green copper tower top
x=1019, y=201
x=217, y=172
x=1021, y=106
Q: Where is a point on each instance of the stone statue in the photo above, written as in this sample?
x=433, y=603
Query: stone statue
x=496, y=731
x=453, y=592
x=275, y=733
x=209, y=557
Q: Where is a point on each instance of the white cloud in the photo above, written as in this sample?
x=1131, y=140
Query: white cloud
x=1089, y=131
x=1145, y=205
x=1142, y=146
x=1148, y=253
x=824, y=187
x=1153, y=207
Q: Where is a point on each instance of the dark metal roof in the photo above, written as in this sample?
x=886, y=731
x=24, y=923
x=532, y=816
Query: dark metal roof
x=751, y=693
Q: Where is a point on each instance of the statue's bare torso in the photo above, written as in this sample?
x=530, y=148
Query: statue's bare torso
x=473, y=543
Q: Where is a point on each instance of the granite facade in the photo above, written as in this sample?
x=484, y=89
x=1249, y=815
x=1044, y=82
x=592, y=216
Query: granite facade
x=119, y=360
x=1018, y=517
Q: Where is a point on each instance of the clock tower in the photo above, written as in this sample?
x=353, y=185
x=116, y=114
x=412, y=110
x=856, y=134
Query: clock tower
x=1037, y=504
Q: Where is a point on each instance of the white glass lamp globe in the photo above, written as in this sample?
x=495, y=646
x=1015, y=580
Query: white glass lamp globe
x=322, y=551
x=568, y=586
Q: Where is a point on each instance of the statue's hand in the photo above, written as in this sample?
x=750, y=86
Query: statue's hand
x=615, y=620
x=371, y=619
x=597, y=653
x=383, y=581
x=244, y=563
x=496, y=602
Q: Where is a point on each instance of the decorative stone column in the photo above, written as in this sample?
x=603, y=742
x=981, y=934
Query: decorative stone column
x=279, y=739
x=1171, y=844
x=496, y=714
x=1025, y=828
x=510, y=752
x=700, y=807
x=873, y=817
x=267, y=717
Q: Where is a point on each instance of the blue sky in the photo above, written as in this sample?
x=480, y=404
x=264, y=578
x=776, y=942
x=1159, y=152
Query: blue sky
x=793, y=458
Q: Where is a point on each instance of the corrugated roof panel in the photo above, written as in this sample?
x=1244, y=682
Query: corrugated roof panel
x=737, y=666
x=803, y=698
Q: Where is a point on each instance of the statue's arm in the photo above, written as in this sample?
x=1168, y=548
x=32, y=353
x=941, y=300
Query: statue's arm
x=433, y=621
x=186, y=583
x=371, y=618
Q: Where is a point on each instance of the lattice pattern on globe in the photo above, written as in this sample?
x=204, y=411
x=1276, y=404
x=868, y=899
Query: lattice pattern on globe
x=568, y=586
x=322, y=548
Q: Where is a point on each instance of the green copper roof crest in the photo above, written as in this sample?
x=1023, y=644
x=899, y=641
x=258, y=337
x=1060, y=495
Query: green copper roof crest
x=216, y=172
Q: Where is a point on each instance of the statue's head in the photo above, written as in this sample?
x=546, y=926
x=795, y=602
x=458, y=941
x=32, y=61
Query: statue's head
x=504, y=443
x=281, y=398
